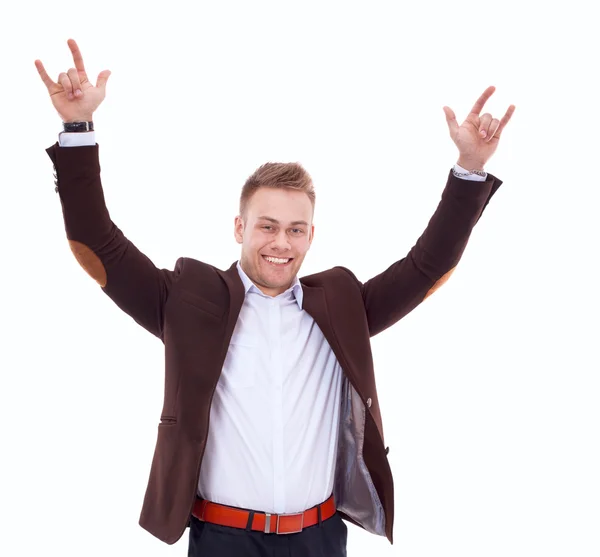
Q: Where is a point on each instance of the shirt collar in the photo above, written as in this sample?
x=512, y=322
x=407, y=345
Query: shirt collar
x=295, y=289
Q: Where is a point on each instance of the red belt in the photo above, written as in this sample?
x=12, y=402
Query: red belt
x=262, y=522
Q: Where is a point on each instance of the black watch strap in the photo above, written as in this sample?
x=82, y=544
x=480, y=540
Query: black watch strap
x=78, y=126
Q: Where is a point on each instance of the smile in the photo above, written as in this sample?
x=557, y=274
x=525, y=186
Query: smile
x=278, y=261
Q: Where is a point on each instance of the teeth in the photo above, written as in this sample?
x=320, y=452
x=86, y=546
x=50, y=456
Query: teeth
x=277, y=260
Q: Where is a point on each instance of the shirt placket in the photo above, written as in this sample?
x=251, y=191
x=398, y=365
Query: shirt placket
x=277, y=391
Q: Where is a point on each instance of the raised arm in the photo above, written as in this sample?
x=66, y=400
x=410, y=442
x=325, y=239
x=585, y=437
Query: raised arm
x=396, y=291
x=125, y=274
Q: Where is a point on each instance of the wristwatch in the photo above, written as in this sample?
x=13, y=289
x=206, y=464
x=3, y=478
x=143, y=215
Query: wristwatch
x=78, y=126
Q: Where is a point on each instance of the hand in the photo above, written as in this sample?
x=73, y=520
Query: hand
x=74, y=97
x=478, y=136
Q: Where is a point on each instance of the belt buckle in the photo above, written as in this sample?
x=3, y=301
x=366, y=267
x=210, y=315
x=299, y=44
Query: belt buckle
x=293, y=531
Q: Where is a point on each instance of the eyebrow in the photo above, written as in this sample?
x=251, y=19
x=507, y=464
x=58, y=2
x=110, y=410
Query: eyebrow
x=275, y=221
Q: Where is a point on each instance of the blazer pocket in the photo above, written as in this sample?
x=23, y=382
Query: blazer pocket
x=200, y=303
x=167, y=420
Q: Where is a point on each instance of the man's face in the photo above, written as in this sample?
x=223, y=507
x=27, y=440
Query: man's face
x=275, y=236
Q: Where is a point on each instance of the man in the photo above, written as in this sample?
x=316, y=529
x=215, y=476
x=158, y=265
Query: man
x=271, y=430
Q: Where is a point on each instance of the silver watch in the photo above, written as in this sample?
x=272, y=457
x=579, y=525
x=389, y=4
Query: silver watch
x=482, y=173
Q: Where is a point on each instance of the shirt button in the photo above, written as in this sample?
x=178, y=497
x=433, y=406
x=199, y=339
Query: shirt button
x=369, y=402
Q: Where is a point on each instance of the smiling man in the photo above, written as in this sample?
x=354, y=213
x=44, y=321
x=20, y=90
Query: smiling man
x=275, y=224
x=270, y=436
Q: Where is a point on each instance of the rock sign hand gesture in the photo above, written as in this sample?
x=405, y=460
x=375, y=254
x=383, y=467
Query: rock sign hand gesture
x=73, y=96
x=76, y=99
x=478, y=136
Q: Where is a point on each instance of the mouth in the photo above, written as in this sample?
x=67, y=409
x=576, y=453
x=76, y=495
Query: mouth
x=278, y=261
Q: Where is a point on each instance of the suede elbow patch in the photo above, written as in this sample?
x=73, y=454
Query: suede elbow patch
x=439, y=283
x=89, y=261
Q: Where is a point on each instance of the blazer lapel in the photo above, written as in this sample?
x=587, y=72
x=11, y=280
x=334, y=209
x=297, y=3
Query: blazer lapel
x=315, y=304
x=237, y=295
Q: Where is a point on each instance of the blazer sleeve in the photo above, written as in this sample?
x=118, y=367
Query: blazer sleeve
x=123, y=272
x=395, y=292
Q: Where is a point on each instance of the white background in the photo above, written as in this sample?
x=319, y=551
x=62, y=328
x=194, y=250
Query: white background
x=489, y=389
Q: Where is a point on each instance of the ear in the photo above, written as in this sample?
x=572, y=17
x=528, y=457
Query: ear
x=238, y=229
x=312, y=234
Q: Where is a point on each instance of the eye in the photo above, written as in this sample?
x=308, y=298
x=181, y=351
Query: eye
x=267, y=227
x=297, y=230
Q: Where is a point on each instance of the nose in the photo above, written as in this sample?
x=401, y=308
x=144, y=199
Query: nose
x=281, y=241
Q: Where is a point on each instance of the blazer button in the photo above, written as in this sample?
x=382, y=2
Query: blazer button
x=387, y=450
x=369, y=402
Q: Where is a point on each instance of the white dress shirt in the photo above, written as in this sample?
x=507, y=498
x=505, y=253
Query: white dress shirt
x=274, y=418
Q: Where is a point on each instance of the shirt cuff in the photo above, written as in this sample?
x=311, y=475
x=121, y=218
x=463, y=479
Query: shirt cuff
x=473, y=177
x=76, y=139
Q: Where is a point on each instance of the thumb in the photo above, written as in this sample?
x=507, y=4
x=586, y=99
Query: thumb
x=451, y=120
x=102, y=79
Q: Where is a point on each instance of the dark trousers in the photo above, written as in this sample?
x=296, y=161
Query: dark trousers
x=327, y=539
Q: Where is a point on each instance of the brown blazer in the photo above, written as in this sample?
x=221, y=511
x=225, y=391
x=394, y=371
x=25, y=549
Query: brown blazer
x=193, y=309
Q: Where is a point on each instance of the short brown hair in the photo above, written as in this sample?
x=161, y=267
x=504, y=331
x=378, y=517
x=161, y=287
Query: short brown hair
x=287, y=175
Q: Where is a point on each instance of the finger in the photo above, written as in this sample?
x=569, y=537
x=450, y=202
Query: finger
x=505, y=119
x=484, y=124
x=493, y=128
x=478, y=106
x=102, y=79
x=64, y=80
x=77, y=58
x=451, y=120
x=74, y=77
x=44, y=75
